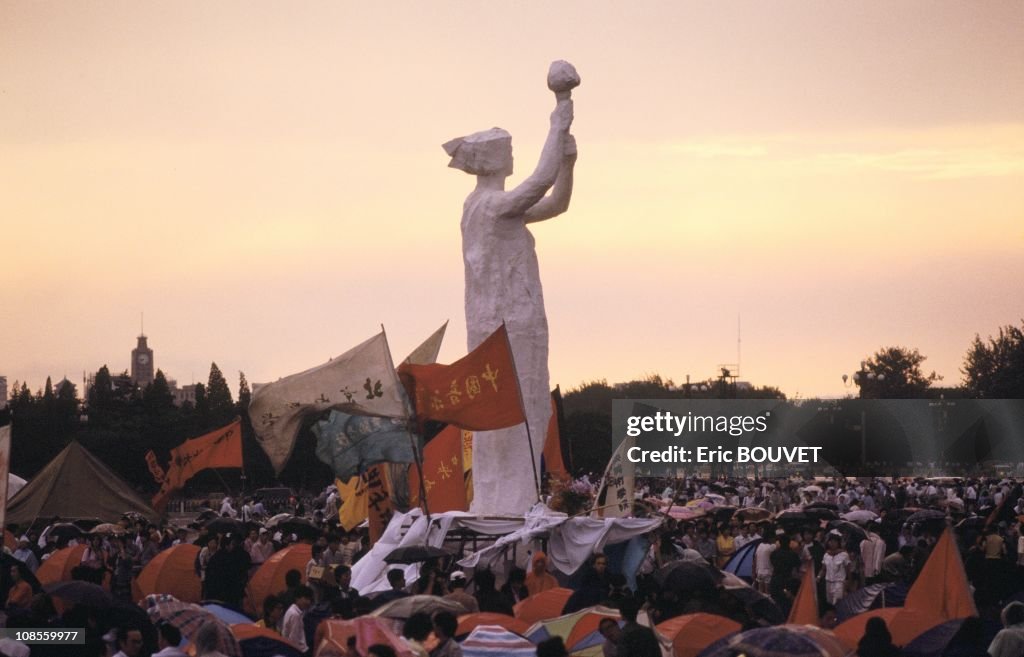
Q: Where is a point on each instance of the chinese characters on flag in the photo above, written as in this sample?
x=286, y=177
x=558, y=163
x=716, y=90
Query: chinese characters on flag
x=443, y=473
x=378, y=501
x=478, y=392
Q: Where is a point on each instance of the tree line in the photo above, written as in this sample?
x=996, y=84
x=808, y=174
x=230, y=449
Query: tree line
x=119, y=422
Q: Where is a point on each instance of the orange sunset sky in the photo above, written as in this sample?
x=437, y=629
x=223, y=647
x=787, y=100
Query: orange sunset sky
x=265, y=181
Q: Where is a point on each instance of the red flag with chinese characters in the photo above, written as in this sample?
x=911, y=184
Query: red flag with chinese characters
x=442, y=473
x=478, y=392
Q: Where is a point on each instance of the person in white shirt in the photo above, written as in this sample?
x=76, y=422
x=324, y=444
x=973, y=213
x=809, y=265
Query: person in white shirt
x=1009, y=641
x=262, y=549
x=25, y=554
x=291, y=626
x=226, y=510
x=763, y=564
x=872, y=552
x=835, y=567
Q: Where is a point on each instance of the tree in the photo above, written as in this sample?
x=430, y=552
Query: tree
x=244, y=393
x=101, y=394
x=218, y=395
x=157, y=396
x=897, y=375
x=995, y=369
x=202, y=407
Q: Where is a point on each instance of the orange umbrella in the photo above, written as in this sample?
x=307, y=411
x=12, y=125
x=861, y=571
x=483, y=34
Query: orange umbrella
x=469, y=621
x=58, y=567
x=546, y=604
x=692, y=633
x=905, y=625
x=269, y=577
x=171, y=571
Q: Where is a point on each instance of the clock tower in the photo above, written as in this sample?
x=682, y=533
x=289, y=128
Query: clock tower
x=142, y=363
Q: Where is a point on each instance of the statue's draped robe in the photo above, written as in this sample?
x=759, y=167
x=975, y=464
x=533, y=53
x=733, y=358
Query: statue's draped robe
x=503, y=284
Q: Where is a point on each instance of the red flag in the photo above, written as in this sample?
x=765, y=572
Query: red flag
x=442, y=473
x=805, y=607
x=942, y=587
x=478, y=392
x=221, y=448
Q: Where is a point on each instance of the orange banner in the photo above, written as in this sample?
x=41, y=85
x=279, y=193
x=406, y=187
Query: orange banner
x=443, y=475
x=218, y=449
x=478, y=392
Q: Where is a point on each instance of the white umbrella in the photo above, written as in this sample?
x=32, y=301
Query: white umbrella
x=860, y=516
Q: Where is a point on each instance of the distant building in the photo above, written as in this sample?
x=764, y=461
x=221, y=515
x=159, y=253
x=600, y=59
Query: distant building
x=184, y=394
x=142, y=364
x=3, y=392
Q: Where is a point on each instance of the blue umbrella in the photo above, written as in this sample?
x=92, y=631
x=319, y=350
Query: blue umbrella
x=742, y=562
x=226, y=614
x=933, y=643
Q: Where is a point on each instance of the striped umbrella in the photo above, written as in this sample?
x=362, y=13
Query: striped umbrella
x=742, y=562
x=578, y=630
x=495, y=641
x=469, y=622
x=188, y=618
x=333, y=636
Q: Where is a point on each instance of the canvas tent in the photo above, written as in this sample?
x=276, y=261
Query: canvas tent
x=76, y=484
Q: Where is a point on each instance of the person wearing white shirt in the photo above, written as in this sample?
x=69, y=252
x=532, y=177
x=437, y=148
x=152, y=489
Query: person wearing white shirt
x=291, y=625
x=872, y=552
x=25, y=554
x=226, y=510
x=834, y=570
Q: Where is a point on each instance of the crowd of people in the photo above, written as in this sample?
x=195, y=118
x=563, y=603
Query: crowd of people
x=851, y=534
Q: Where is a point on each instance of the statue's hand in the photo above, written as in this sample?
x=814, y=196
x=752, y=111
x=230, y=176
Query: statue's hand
x=562, y=117
x=569, y=148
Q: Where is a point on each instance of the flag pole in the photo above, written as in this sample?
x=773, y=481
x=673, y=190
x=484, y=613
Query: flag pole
x=417, y=457
x=522, y=407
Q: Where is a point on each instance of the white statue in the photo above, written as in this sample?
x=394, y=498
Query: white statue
x=503, y=284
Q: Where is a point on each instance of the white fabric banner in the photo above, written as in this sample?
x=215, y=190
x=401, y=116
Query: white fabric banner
x=361, y=381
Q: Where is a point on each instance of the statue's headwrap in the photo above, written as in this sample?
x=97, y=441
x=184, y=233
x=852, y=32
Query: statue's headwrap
x=481, y=153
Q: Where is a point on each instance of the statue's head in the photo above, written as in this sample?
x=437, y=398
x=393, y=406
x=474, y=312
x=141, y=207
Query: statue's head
x=485, y=153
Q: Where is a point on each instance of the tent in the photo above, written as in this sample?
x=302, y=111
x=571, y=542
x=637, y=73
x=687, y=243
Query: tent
x=76, y=484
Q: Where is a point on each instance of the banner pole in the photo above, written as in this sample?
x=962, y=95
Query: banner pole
x=522, y=407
